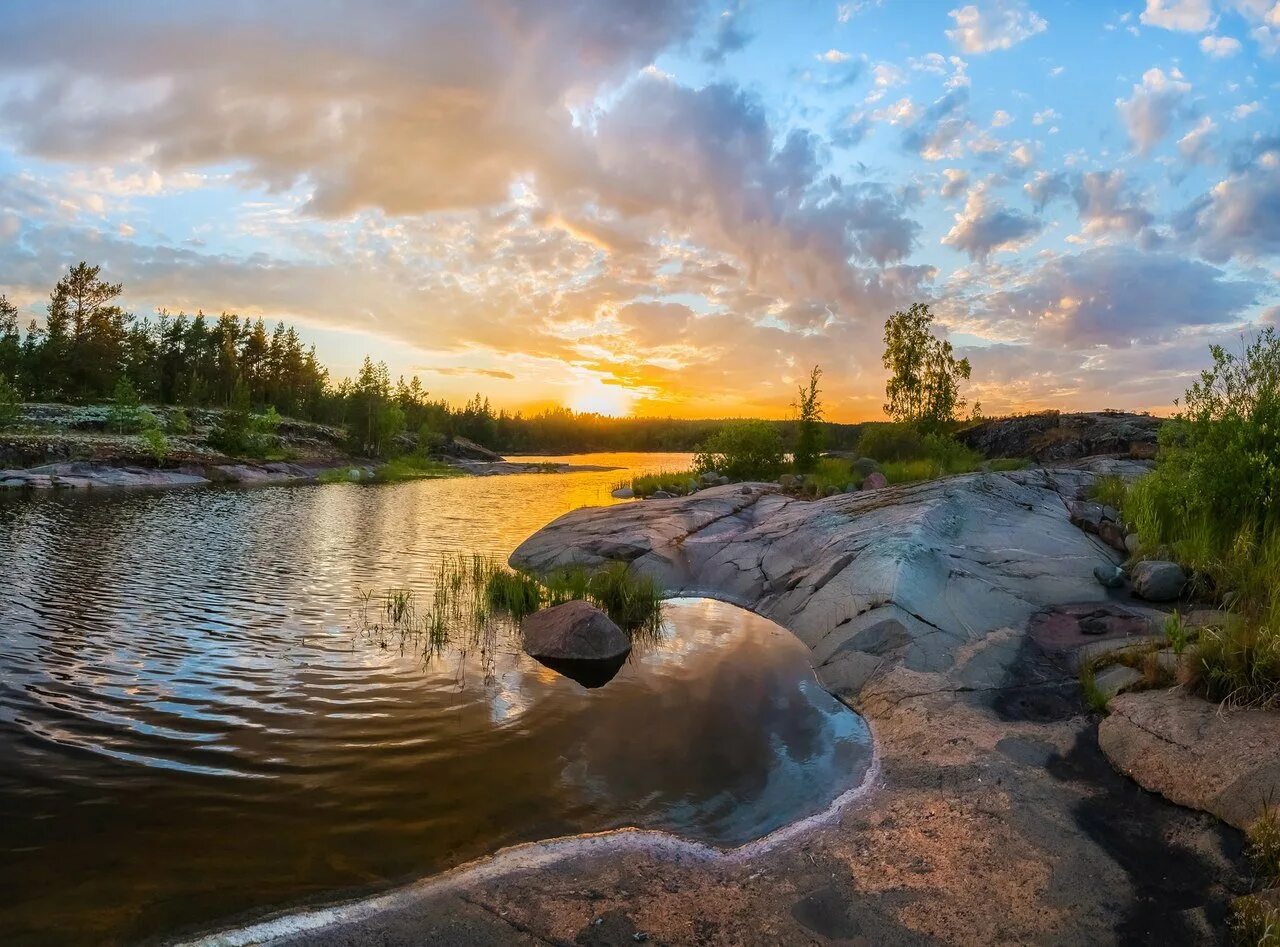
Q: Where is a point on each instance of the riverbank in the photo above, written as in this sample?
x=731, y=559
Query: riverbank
x=936, y=611
x=69, y=447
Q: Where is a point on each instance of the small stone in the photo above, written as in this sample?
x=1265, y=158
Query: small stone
x=723, y=481
x=1110, y=576
x=1115, y=679
x=660, y=495
x=745, y=491
x=711, y=478
x=1158, y=581
x=623, y=493
x=1131, y=544
x=875, y=481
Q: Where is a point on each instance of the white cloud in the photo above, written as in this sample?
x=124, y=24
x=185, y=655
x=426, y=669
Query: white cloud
x=1001, y=118
x=834, y=56
x=1149, y=113
x=998, y=24
x=1048, y=115
x=954, y=181
x=986, y=226
x=1244, y=110
x=1195, y=146
x=1190, y=16
x=1219, y=47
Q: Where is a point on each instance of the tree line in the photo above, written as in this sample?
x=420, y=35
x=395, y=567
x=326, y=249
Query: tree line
x=91, y=350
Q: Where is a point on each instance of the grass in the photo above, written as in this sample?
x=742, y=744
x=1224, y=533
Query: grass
x=1110, y=490
x=671, y=481
x=1094, y=698
x=475, y=597
x=1254, y=921
x=396, y=470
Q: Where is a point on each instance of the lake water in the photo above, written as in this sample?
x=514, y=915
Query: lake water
x=193, y=731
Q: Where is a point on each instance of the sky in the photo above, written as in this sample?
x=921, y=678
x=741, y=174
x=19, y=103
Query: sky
x=665, y=207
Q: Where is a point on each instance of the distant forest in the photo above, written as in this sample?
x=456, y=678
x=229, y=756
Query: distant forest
x=89, y=347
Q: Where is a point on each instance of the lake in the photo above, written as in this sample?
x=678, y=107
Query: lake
x=195, y=731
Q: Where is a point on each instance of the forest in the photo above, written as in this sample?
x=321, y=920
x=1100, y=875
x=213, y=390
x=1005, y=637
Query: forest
x=90, y=350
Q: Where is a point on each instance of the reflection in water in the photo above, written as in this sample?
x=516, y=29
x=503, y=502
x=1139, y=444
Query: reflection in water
x=190, y=730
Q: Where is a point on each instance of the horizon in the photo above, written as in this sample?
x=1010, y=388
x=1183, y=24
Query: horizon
x=667, y=210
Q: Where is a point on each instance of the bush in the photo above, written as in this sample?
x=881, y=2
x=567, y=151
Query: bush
x=1213, y=503
x=892, y=442
x=745, y=450
x=10, y=404
x=157, y=443
x=125, y=414
x=179, y=422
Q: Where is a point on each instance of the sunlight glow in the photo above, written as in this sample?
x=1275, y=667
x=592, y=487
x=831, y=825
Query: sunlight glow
x=592, y=396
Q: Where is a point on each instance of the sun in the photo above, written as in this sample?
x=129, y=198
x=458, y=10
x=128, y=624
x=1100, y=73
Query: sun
x=595, y=397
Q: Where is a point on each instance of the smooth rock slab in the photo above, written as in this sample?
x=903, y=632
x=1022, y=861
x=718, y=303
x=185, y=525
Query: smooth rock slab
x=1196, y=753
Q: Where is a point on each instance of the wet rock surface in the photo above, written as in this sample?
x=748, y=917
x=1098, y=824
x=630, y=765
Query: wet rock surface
x=948, y=614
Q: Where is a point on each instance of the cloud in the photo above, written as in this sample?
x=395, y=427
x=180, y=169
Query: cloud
x=1046, y=186
x=1240, y=216
x=1149, y=113
x=1120, y=296
x=1219, y=47
x=999, y=24
x=1106, y=204
x=459, y=371
x=986, y=226
x=730, y=36
x=1196, y=146
x=1190, y=16
x=954, y=182
x=937, y=132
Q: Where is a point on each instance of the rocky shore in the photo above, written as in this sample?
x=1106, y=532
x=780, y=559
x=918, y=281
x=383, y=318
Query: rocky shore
x=953, y=615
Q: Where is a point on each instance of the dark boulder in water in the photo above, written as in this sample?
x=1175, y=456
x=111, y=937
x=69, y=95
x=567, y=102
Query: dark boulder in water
x=578, y=640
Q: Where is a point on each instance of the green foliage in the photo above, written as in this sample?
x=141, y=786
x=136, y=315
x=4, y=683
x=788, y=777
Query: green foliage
x=1094, y=699
x=942, y=455
x=892, y=442
x=414, y=467
x=669, y=481
x=744, y=450
x=923, y=389
x=10, y=403
x=1264, y=847
x=125, y=416
x=1177, y=633
x=1254, y=923
x=808, y=408
x=157, y=443
x=1007, y=463
x=1111, y=490
x=179, y=422
x=834, y=473
x=1213, y=503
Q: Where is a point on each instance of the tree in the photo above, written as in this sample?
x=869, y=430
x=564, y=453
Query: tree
x=809, y=436
x=10, y=340
x=744, y=450
x=924, y=381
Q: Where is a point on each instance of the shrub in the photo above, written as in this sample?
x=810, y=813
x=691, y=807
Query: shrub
x=670, y=481
x=891, y=442
x=1213, y=503
x=157, y=443
x=10, y=403
x=745, y=450
x=179, y=422
x=125, y=414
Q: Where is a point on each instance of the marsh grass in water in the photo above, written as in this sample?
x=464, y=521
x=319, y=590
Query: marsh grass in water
x=477, y=599
x=671, y=481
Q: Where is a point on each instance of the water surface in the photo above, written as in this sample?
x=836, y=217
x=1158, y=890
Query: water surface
x=192, y=730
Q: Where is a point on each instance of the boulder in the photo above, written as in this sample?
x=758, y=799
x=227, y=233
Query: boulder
x=1195, y=752
x=875, y=481
x=1112, y=533
x=1118, y=677
x=1110, y=576
x=578, y=640
x=1053, y=436
x=1158, y=581
x=1132, y=543
x=623, y=493
x=722, y=480
x=711, y=478
x=661, y=495
x=866, y=465
x=574, y=631
x=1088, y=516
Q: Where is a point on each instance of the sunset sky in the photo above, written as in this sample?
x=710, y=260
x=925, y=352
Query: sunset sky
x=661, y=206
